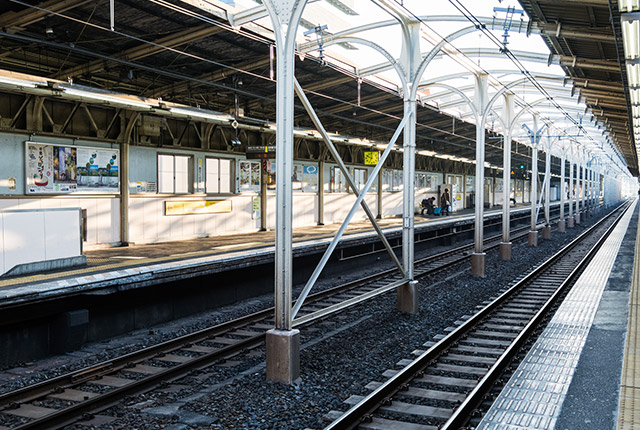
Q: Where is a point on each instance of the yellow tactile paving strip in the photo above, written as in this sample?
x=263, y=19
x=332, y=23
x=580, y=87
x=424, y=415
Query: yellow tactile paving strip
x=629, y=403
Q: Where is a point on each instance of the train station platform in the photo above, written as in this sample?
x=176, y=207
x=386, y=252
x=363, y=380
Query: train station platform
x=109, y=265
x=135, y=287
x=581, y=372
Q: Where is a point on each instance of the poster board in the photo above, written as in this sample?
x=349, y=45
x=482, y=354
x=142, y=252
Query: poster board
x=61, y=169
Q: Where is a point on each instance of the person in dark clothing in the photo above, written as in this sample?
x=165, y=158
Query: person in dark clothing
x=445, y=201
x=428, y=205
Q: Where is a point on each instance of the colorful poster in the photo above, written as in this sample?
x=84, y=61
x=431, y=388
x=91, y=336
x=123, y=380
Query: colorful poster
x=249, y=176
x=98, y=170
x=67, y=169
x=245, y=174
x=64, y=169
x=39, y=168
x=255, y=174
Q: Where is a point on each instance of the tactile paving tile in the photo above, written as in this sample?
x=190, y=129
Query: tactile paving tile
x=629, y=401
x=533, y=397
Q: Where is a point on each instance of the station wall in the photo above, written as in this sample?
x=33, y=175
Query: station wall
x=150, y=219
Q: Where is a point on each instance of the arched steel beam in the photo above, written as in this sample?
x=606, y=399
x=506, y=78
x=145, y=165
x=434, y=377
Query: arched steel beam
x=392, y=61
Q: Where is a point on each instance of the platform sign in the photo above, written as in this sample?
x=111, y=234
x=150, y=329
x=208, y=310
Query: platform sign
x=261, y=152
x=371, y=158
x=196, y=207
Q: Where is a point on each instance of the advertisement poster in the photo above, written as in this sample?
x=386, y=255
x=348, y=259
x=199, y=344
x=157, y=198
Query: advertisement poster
x=39, y=168
x=255, y=174
x=67, y=169
x=245, y=173
x=310, y=179
x=97, y=170
x=249, y=175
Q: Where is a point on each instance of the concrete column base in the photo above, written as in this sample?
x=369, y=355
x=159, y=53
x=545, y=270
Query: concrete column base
x=477, y=264
x=408, y=298
x=577, y=218
x=533, y=238
x=283, y=355
x=571, y=221
x=562, y=225
x=505, y=251
x=546, y=232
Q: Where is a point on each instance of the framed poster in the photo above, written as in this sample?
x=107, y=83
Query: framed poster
x=58, y=169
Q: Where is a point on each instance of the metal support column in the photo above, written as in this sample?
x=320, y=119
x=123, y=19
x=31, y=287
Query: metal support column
x=379, y=196
x=546, y=231
x=321, y=192
x=563, y=192
x=410, y=59
x=283, y=342
x=571, y=220
x=263, y=195
x=535, y=139
x=124, y=193
x=481, y=102
x=508, y=113
x=584, y=185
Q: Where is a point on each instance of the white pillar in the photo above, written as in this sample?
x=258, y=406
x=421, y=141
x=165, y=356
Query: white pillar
x=571, y=220
x=547, y=188
x=508, y=114
x=480, y=101
x=584, y=185
x=533, y=233
x=283, y=343
x=563, y=192
x=410, y=59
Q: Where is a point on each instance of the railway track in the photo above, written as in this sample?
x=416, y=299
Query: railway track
x=444, y=387
x=77, y=395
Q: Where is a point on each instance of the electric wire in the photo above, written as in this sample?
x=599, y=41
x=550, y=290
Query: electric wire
x=203, y=18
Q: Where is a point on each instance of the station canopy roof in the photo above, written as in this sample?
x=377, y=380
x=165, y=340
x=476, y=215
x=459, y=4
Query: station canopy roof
x=559, y=60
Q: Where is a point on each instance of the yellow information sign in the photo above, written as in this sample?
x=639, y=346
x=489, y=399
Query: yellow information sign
x=371, y=158
x=196, y=207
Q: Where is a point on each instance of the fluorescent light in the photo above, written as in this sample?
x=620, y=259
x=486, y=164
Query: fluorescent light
x=199, y=113
x=99, y=96
x=630, y=33
x=633, y=74
x=16, y=82
x=628, y=5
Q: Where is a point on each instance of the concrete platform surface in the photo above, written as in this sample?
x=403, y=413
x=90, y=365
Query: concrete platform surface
x=571, y=377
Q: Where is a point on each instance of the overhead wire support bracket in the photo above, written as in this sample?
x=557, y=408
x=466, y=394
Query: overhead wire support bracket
x=318, y=30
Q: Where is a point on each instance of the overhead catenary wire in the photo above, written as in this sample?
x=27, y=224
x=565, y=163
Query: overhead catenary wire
x=482, y=27
x=208, y=60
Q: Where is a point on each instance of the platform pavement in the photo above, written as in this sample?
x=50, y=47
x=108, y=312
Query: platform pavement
x=137, y=256
x=571, y=378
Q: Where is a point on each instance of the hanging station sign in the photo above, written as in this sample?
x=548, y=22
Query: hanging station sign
x=256, y=152
x=60, y=169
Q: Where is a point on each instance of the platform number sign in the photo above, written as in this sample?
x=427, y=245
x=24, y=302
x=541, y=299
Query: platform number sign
x=371, y=158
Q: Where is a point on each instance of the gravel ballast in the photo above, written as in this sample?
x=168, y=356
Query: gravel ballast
x=336, y=361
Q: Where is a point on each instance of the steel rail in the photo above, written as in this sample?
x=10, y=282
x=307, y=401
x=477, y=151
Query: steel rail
x=381, y=395
x=68, y=415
